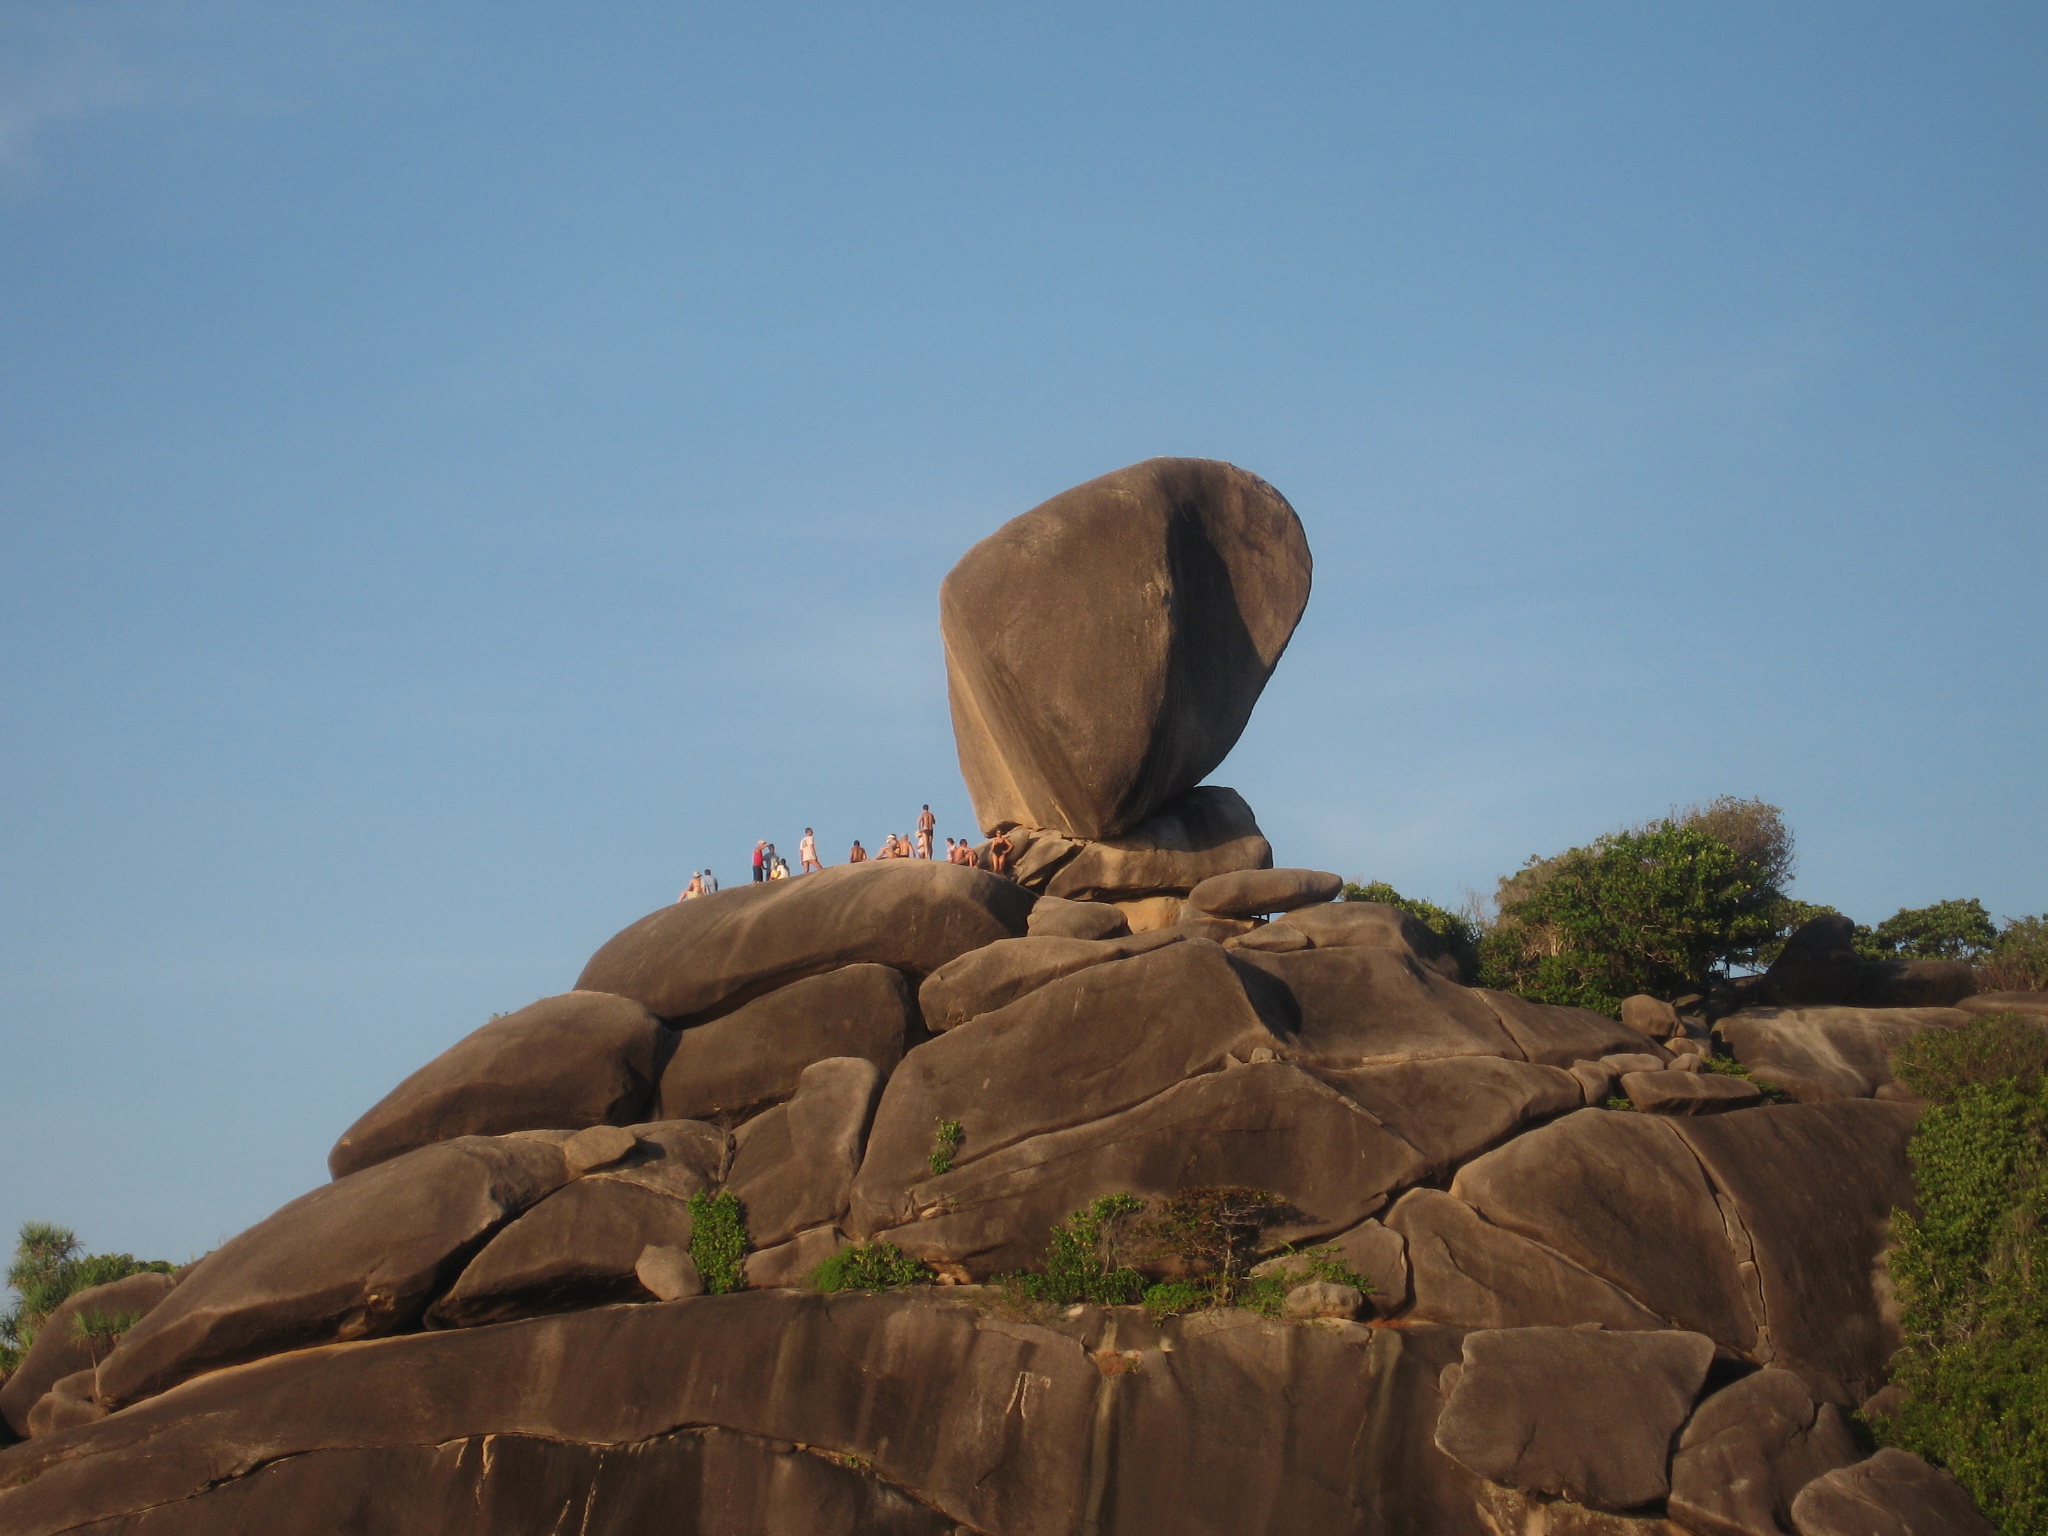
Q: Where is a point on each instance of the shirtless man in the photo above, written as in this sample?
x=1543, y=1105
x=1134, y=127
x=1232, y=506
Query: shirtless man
x=927, y=826
x=859, y=854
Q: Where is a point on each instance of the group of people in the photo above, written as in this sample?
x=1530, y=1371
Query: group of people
x=769, y=865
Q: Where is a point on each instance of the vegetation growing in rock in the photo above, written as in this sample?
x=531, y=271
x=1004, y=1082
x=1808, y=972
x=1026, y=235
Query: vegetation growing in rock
x=1084, y=1258
x=1971, y=1269
x=946, y=1139
x=718, y=1241
x=99, y=1332
x=47, y=1270
x=871, y=1266
x=1459, y=932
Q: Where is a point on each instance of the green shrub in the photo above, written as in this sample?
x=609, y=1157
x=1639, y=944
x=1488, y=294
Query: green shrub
x=1083, y=1258
x=1651, y=911
x=1971, y=1269
x=718, y=1240
x=1170, y=1298
x=2019, y=961
x=1459, y=933
x=1948, y=930
x=47, y=1271
x=946, y=1139
x=873, y=1266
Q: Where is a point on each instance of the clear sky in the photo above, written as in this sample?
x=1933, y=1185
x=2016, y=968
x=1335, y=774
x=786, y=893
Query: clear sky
x=463, y=467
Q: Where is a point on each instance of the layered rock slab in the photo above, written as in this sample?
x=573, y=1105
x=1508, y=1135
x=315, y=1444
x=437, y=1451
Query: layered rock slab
x=584, y=1058
x=1582, y=1414
x=1894, y=1493
x=1451, y=1109
x=793, y=1166
x=752, y=1057
x=1360, y=1004
x=1257, y=892
x=997, y=974
x=1558, y=1036
x=57, y=1354
x=697, y=959
x=1206, y=832
x=1104, y=650
x=1816, y=1054
x=1747, y=1452
x=1077, y=1050
x=1268, y=1126
x=353, y=1259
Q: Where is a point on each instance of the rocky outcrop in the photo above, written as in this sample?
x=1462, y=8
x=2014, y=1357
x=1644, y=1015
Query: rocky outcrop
x=698, y=959
x=1816, y=1054
x=793, y=1167
x=1257, y=892
x=997, y=974
x=1358, y=1005
x=1749, y=1450
x=57, y=1353
x=1688, y=1092
x=1202, y=834
x=1894, y=1493
x=1104, y=650
x=584, y=1058
x=1452, y=1109
x=1818, y=965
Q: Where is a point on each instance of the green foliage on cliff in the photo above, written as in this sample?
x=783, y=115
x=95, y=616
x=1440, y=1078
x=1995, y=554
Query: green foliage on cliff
x=1083, y=1258
x=718, y=1240
x=873, y=1266
x=1971, y=1269
x=47, y=1270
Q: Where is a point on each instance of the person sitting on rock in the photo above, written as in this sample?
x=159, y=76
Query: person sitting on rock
x=859, y=855
x=807, y=853
x=999, y=854
x=779, y=870
x=694, y=889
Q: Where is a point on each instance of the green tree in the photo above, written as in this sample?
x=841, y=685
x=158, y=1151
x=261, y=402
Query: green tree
x=1948, y=930
x=48, y=1270
x=1655, y=910
x=1459, y=932
x=2019, y=962
x=1971, y=1268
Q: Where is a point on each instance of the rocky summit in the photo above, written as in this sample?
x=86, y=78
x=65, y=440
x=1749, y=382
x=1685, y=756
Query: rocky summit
x=755, y=1229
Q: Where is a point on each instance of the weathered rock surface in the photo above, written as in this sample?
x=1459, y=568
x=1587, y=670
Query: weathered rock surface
x=1623, y=1196
x=1558, y=1036
x=56, y=1354
x=698, y=959
x=1467, y=1273
x=1371, y=925
x=1323, y=1299
x=1650, y=1016
x=1748, y=1451
x=996, y=975
x=753, y=1056
x=1056, y=917
x=580, y=1247
x=1271, y=938
x=791, y=1263
x=1257, y=892
x=2005, y=1002
x=1375, y=1252
x=1816, y=1054
x=1581, y=1414
x=793, y=1166
x=584, y=1058
x=1082, y=1048
x=353, y=1259
x=72, y=1401
x=1270, y=1127
x=1818, y=966
x=1104, y=650
x=904, y=1404
x=1679, y=1092
x=1913, y=984
x=1357, y=1005
x=1206, y=832
x=1451, y=1109
x=1894, y=1493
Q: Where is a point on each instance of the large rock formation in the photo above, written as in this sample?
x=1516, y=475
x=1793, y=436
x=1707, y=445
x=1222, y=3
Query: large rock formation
x=1585, y=1320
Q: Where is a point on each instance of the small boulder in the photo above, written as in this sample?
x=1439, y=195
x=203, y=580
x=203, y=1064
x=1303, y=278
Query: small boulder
x=1688, y=1092
x=1371, y=925
x=69, y=1404
x=1623, y=1062
x=1927, y=983
x=740, y=1064
x=1649, y=1016
x=1104, y=649
x=793, y=1165
x=1258, y=892
x=596, y=1146
x=997, y=974
x=1206, y=832
x=668, y=1273
x=1747, y=1452
x=358, y=1258
x=1375, y=1253
x=1271, y=939
x=1057, y=918
x=1596, y=1081
x=584, y=1058
x=1894, y=1493
x=695, y=960
x=1572, y=1412
x=1323, y=1298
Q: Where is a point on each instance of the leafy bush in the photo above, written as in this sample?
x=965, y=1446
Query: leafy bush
x=946, y=1138
x=47, y=1271
x=718, y=1240
x=1083, y=1258
x=872, y=1266
x=2019, y=962
x=1459, y=932
x=1971, y=1270
x=1644, y=911
x=1948, y=930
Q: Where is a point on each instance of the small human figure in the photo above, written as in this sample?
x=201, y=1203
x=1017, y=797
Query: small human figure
x=949, y=852
x=760, y=861
x=710, y=884
x=927, y=827
x=999, y=854
x=807, y=852
x=779, y=870
x=859, y=855
x=694, y=889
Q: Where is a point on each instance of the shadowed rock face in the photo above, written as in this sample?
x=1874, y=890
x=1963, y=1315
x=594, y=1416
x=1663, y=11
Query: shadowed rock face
x=57, y=1354
x=1104, y=650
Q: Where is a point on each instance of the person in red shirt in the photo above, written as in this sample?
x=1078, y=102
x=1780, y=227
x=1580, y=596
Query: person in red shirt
x=760, y=861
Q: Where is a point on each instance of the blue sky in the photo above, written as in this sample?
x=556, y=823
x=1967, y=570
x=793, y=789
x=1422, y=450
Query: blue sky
x=463, y=467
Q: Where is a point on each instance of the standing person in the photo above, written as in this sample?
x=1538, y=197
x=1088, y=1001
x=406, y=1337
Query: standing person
x=807, y=853
x=927, y=828
x=760, y=861
x=999, y=854
x=859, y=855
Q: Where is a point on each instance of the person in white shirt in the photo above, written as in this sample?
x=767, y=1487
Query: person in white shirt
x=807, y=853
